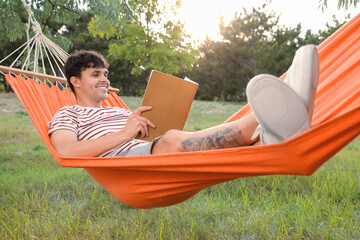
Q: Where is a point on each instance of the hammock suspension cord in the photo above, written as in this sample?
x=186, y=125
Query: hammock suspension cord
x=39, y=47
x=43, y=48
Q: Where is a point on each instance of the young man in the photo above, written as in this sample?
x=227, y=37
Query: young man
x=87, y=129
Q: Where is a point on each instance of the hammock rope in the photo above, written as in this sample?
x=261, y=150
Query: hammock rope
x=43, y=51
x=36, y=47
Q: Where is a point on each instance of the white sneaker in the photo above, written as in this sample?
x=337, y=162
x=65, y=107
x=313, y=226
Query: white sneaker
x=303, y=75
x=279, y=110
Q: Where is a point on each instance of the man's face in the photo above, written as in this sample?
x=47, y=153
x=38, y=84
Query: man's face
x=93, y=84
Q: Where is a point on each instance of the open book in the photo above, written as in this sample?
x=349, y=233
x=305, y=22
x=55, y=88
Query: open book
x=171, y=98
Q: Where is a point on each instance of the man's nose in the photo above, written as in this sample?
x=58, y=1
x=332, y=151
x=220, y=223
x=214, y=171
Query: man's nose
x=105, y=79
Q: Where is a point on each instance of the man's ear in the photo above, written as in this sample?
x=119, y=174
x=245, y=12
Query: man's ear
x=75, y=81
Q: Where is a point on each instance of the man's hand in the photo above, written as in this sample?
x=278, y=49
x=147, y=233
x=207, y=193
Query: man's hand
x=137, y=124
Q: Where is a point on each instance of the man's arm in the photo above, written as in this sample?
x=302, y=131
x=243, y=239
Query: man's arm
x=66, y=144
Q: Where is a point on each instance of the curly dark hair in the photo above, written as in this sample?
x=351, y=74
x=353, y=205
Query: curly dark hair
x=80, y=60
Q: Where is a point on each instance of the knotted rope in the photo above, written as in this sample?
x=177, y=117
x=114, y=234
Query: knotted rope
x=43, y=47
x=39, y=46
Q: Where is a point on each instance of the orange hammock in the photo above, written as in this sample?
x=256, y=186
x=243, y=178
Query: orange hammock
x=163, y=180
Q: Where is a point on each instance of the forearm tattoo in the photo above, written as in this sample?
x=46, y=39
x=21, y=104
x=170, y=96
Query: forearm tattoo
x=225, y=138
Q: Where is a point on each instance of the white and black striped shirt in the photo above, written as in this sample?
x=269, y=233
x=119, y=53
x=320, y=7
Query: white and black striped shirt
x=91, y=123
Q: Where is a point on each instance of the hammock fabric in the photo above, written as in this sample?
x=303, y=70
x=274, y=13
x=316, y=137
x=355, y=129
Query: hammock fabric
x=164, y=180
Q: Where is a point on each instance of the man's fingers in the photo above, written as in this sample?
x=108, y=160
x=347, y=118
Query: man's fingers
x=142, y=133
x=147, y=121
x=140, y=124
x=142, y=109
x=138, y=112
x=144, y=128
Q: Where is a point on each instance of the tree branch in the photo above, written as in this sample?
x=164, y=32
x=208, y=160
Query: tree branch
x=64, y=7
x=129, y=9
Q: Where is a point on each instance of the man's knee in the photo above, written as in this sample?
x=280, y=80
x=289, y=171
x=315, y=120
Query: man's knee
x=170, y=142
x=172, y=139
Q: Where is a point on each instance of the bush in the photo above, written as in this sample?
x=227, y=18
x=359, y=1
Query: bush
x=204, y=93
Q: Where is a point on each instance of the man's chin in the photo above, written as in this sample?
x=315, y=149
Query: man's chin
x=101, y=97
x=105, y=96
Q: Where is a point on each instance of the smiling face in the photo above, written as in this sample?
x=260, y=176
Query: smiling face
x=91, y=87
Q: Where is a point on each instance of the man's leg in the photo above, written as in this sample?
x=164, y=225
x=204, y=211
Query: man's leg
x=229, y=135
x=303, y=75
x=292, y=114
x=277, y=107
x=303, y=78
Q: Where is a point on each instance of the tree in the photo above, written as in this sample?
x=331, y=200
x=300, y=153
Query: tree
x=253, y=43
x=149, y=36
x=66, y=23
x=51, y=16
x=80, y=37
x=227, y=66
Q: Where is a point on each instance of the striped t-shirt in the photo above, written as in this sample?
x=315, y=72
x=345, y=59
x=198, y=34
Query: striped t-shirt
x=91, y=123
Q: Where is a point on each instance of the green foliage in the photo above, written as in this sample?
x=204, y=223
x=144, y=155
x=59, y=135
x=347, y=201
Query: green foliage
x=140, y=35
x=227, y=66
x=204, y=92
x=253, y=43
x=51, y=15
x=148, y=35
x=12, y=17
x=101, y=28
x=341, y=4
x=81, y=38
x=331, y=28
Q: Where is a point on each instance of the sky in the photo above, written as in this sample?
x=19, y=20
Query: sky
x=201, y=16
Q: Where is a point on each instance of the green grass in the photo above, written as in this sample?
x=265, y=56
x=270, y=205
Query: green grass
x=41, y=200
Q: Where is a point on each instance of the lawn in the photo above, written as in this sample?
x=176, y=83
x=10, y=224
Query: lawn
x=41, y=200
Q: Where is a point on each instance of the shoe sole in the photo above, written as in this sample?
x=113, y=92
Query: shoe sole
x=278, y=108
x=303, y=75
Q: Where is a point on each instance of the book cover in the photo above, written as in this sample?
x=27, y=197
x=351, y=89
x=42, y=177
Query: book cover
x=171, y=99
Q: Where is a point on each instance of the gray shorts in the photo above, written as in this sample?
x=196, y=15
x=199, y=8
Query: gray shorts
x=144, y=149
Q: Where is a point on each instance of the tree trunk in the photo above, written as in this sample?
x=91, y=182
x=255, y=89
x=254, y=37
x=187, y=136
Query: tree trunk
x=126, y=88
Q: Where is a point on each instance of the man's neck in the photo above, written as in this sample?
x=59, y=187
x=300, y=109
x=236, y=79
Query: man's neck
x=83, y=103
